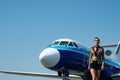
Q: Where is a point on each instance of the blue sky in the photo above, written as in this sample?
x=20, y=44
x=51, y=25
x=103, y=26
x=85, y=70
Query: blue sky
x=29, y=26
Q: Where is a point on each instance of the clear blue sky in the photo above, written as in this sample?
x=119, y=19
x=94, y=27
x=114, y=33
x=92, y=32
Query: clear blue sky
x=29, y=26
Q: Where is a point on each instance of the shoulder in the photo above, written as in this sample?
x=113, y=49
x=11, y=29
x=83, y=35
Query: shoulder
x=101, y=47
x=92, y=49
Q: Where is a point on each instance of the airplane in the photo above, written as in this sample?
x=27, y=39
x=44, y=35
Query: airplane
x=70, y=60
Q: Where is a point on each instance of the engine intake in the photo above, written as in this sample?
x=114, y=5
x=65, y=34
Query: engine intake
x=108, y=52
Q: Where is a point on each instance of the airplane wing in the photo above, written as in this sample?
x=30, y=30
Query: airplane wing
x=117, y=50
x=110, y=46
x=116, y=76
x=55, y=76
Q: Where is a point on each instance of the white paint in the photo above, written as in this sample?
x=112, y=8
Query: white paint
x=49, y=57
x=66, y=39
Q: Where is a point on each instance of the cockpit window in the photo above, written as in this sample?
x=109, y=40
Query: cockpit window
x=75, y=44
x=64, y=43
x=56, y=43
x=71, y=44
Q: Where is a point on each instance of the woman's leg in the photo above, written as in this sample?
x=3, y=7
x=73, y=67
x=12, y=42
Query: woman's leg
x=98, y=72
x=93, y=73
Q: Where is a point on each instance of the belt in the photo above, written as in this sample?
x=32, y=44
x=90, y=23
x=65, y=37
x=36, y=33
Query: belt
x=96, y=62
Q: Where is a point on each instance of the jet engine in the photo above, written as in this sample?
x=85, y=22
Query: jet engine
x=108, y=52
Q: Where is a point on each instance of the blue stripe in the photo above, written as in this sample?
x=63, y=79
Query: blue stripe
x=110, y=62
x=78, y=50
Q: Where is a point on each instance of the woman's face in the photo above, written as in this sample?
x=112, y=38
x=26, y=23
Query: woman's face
x=96, y=42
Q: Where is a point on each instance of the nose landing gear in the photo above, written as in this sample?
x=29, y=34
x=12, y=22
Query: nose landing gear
x=60, y=73
x=64, y=74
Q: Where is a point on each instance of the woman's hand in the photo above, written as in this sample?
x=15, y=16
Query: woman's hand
x=102, y=67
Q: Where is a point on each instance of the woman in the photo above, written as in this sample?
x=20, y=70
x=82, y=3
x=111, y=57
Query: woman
x=96, y=59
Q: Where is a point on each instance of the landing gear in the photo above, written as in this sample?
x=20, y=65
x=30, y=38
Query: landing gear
x=64, y=74
x=59, y=73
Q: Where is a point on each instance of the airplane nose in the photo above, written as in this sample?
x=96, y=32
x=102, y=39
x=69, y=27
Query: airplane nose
x=49, y=57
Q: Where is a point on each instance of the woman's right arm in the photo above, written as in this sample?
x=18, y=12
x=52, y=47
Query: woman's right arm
x=102, y=60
